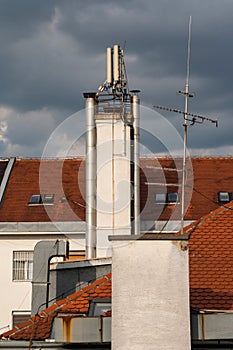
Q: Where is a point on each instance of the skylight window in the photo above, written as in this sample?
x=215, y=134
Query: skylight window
x=224, y=197
x=172, y=197
x=166, y=198
x=47, y=198
x=36, y=199
x=160, y=198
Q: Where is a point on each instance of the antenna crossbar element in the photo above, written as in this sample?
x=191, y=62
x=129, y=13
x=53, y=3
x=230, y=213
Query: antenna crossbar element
x=162, y=184
x=195, y=116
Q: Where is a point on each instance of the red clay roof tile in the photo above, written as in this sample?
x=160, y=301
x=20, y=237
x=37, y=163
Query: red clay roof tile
x=211, y=275
x=210, y=176
x=39, y=327
x=64, y=178
x=34, y=176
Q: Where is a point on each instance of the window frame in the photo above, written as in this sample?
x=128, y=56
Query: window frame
x=166, y=198
x=224, y=193
x=96, y=301
x=34, y=199
x=25, y=314
x=42, y=199
x=169, y=201
x=22, y=265
x=160, y=201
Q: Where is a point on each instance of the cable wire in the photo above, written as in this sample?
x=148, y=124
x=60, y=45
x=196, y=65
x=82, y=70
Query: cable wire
x=211, y=200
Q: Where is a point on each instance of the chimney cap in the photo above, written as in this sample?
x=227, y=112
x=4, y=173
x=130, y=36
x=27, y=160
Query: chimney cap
x=89, y=94
x=135, y=91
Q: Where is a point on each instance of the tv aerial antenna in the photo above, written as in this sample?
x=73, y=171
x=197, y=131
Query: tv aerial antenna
x=190, y=119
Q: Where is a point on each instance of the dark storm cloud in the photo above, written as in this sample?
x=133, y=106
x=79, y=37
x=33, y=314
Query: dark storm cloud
x=19, y=19
x=52, y=51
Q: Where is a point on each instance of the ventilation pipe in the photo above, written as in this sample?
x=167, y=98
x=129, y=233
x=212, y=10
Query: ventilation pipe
x=90, y=176
x=44, y=251
x=136, y=115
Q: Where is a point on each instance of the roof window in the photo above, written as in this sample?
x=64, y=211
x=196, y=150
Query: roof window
x=36, y=199
x=160, y=198
x=172, y=197
x=47, y=198
x=225, y=197
x=166, y=198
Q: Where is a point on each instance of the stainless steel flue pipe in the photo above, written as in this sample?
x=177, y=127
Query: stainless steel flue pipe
x=90, y=178
x=136, y=116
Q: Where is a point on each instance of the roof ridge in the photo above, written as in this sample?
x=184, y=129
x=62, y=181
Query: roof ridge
x=40, y=159
x=144, y=156
x=190, y=228
x=58, y=304
x=152, y=156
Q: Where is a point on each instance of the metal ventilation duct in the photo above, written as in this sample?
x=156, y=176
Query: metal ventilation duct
x=44, y=251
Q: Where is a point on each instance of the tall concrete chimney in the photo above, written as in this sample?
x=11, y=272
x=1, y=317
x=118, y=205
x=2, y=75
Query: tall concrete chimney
x=112, y=159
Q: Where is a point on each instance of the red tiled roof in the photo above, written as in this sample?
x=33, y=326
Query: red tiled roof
x=39, y=327
x=210, y=258
x=33, y=176
x=211, y=175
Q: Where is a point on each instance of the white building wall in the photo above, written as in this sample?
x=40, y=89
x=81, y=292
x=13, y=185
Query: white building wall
x=150, y=295
x=112, y=182
x=16, y=295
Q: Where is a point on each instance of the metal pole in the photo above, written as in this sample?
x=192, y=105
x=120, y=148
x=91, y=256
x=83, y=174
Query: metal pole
x=185, y=130
x=90, y=179
x=136, y=116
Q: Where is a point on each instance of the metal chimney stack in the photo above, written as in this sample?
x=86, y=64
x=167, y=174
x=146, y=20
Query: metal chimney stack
x=90, y=177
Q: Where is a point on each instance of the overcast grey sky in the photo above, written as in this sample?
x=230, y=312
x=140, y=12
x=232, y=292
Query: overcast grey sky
x=52, y=51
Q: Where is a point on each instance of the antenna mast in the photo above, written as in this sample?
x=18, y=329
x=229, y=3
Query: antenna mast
x=187, y=122
x=187, y=95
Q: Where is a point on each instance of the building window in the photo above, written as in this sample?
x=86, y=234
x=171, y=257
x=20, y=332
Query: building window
x=224, y=197
x=36, y=199
x=160, y=198
x=22, y=265
x=99, y=306
x=163, y=198
x=172, y=197
x=19, y=317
